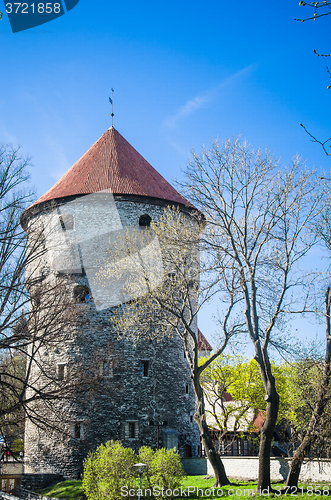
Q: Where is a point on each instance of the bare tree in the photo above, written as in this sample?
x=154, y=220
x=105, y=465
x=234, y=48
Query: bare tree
x=36, y=310
x=165, y=300
x=321, y=9
x=258, y=220
x=15, y=197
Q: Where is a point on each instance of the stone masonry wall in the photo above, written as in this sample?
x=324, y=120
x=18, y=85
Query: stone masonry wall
x=125, y=400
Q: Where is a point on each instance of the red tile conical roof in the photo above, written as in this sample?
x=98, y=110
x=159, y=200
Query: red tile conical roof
x=113, y=165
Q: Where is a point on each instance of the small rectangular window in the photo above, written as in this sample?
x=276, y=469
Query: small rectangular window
x=191, y=418
x=77, y=430
x=144, y=368
x=186, y=389
x=131, y=429
x=132, y=433
x=61, y=371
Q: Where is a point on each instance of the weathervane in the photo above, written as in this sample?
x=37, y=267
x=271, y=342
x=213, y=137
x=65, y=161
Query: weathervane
x=111, y=102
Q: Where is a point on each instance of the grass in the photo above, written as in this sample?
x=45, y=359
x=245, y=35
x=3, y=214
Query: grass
x=70, y=490
x=201, y=488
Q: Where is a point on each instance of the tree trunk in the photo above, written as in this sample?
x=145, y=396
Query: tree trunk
x=298, y=457
x=206, y=439
x=303, y=449
x=264, y=484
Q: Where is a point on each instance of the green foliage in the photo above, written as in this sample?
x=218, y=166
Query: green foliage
x=304, y=385
x=304, y=378
x=241, y=378
x=110, y=467
x=146, y=456
x=18, y=445
x=107, y=469
x=165, y=468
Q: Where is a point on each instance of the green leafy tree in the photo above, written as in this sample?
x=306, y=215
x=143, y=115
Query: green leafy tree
x=241, y=378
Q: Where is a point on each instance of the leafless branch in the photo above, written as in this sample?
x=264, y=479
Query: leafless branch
x=318, y=9
x=314, y=139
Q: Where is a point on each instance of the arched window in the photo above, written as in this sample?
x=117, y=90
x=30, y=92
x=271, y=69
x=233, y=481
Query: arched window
x=145, y=220
x=81, y=294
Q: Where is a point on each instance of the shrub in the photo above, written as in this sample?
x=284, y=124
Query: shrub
x=167, y=469
x=110, y=468
x=107, y=469
x=146, y=456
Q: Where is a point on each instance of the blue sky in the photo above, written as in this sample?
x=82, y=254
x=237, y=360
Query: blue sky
x=183, y=72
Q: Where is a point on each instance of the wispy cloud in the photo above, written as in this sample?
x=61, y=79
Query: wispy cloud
x=187, y=109
x=204, y=98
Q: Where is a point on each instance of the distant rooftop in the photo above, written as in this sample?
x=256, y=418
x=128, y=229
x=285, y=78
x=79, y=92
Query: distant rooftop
x=203, y=343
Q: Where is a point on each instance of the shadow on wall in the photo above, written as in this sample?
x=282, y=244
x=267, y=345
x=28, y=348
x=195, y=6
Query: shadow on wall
x=284, y=468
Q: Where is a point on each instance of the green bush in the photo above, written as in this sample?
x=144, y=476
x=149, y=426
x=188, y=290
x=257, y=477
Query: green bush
x=167, y=470
x=146, y=456
x=107, y=469
x=111, y=467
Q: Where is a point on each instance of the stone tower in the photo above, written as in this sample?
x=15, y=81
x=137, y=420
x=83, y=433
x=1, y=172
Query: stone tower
x=140, y=387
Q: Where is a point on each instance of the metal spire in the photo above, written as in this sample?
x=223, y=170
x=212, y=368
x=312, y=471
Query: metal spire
x=112, y=108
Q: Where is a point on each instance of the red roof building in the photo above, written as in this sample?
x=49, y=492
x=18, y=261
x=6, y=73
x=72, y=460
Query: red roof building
x=203, y=344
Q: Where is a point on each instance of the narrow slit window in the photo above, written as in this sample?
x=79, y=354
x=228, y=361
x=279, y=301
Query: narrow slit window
x=186, y=389
x=132, y=430
x=61, y=368
x=78, y=430
x=144, y=368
